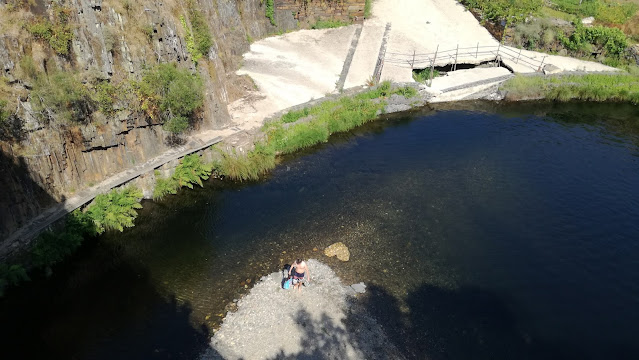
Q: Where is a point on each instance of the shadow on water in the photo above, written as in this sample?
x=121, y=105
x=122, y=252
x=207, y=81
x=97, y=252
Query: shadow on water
x=467, y=323
x=105, y=308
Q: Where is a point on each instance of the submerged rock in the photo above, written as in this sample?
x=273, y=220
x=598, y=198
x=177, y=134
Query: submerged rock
x=338, y=249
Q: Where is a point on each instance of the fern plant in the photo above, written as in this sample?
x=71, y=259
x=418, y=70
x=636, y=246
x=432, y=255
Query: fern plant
x=115, y=210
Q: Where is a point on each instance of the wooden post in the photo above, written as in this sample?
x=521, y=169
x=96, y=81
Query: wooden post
x=412, y=64
x=477, y=51
x=542, y=64
x=517, y=61
x=456, y=53
x=497, y=56
x=432, y=66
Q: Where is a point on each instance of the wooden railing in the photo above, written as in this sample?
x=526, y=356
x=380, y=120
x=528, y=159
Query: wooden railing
x=459, y=55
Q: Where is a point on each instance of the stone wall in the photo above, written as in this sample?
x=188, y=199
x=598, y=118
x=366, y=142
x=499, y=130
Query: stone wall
x=312, y=10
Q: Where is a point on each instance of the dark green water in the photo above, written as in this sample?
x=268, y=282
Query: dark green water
x=493, y=231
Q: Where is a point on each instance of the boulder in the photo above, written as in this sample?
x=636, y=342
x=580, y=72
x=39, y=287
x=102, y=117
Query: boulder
x=338, y=249
x=359, y=288
x=551, y=69
x=588, y=21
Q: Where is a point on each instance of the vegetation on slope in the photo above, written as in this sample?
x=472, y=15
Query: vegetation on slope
x=57, y=33
x=171, y=95
x=198, y=35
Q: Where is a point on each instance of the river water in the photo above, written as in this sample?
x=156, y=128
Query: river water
x=483, y=230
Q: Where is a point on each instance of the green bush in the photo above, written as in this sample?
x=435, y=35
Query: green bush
x=611, y=41
x=57, y=33
x=53, y=247
x=171, y=95
x=270, y=11
x=293, y=116
x=61, y=95
x=192, y=171
x=105, y=96
x=189, y=172
x=406, y=91
x=115, y=210
x=539, y=33
x=11, y=275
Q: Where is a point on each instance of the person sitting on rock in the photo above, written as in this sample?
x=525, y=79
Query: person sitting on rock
x=299, y=269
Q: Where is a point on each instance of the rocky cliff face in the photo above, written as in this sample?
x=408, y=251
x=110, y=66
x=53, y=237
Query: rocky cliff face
x=44, y=160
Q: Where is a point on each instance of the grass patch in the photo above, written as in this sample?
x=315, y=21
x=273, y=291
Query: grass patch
x=590, y=87
x=607, y=11
x=511, y=11
x=368, y=8
x=549, y=12
x=293, y=116
x=423, y=75
x=329, y=24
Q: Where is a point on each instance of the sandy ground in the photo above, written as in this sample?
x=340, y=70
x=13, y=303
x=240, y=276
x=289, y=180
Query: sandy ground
x=317, y=323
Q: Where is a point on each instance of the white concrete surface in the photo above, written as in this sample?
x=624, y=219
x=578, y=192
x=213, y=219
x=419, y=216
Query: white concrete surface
x=296, y=67
x=292, y=69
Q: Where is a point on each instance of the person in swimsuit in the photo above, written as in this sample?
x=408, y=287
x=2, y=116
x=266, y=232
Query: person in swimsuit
x=299, y=269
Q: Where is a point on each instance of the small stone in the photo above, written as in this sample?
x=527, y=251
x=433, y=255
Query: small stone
x=248, y=281
x=551, y=69
x=315, y=249
x=207, y=317
x=359, y=288
x=284, y=252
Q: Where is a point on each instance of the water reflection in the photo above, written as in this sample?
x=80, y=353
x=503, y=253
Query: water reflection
x=492, y=231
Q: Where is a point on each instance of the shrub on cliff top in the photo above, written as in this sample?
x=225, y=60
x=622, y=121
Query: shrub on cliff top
x=171, y=95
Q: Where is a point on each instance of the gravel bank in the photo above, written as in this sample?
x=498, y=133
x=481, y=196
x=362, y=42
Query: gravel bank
x=321, y=322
